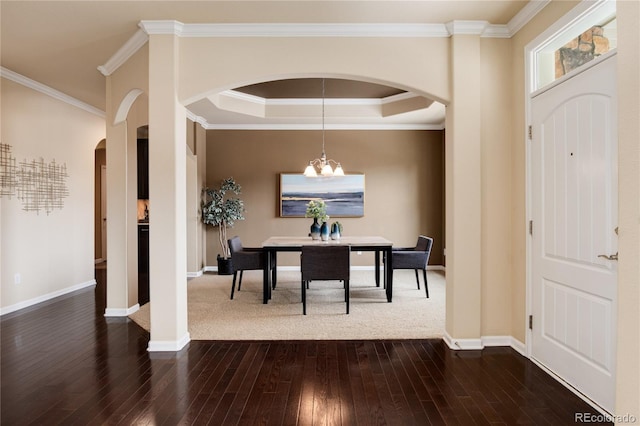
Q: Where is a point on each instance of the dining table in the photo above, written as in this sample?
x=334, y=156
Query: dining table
x=378, y=245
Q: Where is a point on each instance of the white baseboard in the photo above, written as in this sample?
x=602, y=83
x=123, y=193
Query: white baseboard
x=195, y=274
x=571, y=388
x=483, y=342
x=168, y=345
x=45, y=297
x=462, y=344
x=121, y=312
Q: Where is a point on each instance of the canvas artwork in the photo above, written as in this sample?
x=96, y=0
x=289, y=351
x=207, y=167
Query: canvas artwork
x=344, y=195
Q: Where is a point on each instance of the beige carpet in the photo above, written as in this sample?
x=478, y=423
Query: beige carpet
x=213, y=316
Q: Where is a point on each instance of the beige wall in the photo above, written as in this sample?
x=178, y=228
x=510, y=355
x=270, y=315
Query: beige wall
x=404, y=182
x=496, y=106
x=419, y=64
x=628, y=379
x=518, y=247
x=53, y=253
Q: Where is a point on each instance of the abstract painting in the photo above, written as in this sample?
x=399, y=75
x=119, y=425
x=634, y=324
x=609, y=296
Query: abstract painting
x=343, y=195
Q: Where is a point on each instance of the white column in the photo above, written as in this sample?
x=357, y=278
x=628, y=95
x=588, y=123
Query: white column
x=120, y=215
x=167, y=198
x=463, y=195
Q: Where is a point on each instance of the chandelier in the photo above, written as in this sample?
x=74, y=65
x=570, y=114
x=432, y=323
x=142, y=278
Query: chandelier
x=322, y=163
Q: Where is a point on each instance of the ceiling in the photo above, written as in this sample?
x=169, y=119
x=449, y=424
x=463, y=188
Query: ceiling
x=61, y=44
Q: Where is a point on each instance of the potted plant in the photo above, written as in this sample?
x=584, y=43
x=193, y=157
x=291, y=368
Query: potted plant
x=317, y=209
x=221, y=209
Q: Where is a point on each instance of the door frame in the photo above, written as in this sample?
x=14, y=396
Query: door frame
x=578, y=13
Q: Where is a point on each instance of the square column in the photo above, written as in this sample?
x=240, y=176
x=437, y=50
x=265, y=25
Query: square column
x=167, y=198
x=463, y=195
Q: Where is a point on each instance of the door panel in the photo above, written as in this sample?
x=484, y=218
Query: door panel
x=574, y=208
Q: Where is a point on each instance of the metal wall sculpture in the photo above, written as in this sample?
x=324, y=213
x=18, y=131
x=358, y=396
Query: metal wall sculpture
x=8, y=176
x=39, y=185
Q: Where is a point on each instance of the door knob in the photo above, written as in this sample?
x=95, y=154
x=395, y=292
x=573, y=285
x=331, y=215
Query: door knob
x=612, y=257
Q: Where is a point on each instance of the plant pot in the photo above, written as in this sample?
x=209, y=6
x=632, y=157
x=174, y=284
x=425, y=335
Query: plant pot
x=225, y=267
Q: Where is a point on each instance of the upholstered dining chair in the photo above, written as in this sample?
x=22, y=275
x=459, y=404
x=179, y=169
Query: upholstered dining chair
x=244, y=259
x=416, y=258
x=324, y=263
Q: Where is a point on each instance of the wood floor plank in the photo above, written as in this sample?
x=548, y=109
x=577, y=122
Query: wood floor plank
x=63, y=363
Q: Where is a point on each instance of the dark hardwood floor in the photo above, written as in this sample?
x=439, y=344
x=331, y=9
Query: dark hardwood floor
x=62, y=362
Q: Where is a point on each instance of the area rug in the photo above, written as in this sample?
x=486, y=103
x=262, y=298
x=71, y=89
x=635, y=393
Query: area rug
x=213, y=316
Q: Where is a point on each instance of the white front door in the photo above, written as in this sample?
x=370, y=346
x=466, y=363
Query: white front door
x=574, y=208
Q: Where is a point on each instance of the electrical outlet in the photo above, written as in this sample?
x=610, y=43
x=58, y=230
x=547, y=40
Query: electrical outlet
x=17, y=279
x=359, y=253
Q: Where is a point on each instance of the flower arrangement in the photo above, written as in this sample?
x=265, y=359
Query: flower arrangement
x=317, y=209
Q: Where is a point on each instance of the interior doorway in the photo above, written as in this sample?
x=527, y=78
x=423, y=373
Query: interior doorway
x=100, y=203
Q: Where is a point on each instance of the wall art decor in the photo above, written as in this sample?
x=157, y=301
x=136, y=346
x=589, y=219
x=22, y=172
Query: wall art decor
x=344, y=195
x=38, y=185
x=8, y=177
x=42, y=186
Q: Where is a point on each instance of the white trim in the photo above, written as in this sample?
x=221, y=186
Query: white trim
x=123, y=54
x=329, y=101
x=484, y=341
x=313, y=30
x=195, y=274
x=293, y=29
x=575, y=72
x=401, y=97
x=567, y=385
x=525, y=15
x=582, y=11
x=117, y=312
x=197, y=119
x=433, y=30
x=363, y=126
x=45, y=297
x=168, y=345
x=44, y=89
x=245, y=97
x=466, y=27
x=462, y=344
x=510, y=341
x=125, y=106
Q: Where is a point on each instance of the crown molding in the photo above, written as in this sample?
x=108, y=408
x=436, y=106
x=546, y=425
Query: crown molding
x=481, y=28
x=39, y=87
x=532, y=8
x=234, y=94
x=123, y=54
x=466, y=27
x=354, y=126
x=293, y=29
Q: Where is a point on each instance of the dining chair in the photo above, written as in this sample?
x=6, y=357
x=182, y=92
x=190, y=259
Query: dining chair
x=416, y=258
x=244, y=259
x=324, y=263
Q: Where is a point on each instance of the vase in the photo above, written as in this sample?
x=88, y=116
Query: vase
x=335, y=232
x=315, y=230
x=324, y=231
